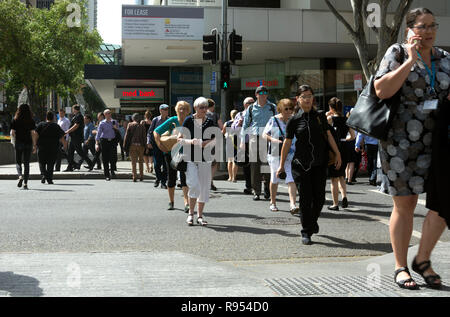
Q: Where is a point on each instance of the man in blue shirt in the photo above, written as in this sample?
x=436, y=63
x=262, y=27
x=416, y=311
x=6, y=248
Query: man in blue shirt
x=255, y=121
x=371, y=148
x=105, y=139
x=158, y=155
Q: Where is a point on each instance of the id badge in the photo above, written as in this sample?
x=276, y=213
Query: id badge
x=431, y=105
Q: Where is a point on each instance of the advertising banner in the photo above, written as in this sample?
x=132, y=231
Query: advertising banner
x=162, y=23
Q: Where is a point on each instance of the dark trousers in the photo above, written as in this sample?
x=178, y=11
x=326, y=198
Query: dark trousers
x=47, y=158
x=59, y=155
x=311, y=188
x=114, y=157
x=160, y=165
x=172, y=173
x=108, y=148
x=247, y=170
x=372, y=156
x=75, y=145
x=90, y=147
x=256, y=176
x=23, y=156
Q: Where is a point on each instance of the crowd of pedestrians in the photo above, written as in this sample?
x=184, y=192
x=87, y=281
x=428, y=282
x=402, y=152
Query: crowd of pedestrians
x=291, y=142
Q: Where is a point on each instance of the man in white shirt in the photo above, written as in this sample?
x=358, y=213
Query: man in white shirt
x=64, y=123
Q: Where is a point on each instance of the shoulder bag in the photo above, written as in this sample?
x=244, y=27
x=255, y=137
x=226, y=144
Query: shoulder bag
x=169, y=139
x=373, y=116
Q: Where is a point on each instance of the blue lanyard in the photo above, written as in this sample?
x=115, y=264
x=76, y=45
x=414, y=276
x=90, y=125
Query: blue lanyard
x=431, y=73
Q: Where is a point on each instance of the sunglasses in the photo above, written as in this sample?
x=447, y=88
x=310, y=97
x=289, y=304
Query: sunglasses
x=202, y=107
x=288, y=109
x=262, y=93
x=306, y=97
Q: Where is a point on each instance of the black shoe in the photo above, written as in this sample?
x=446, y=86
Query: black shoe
x=19, y=184
x=156, y=184
x=50, y=182
x=163, y=186
x=344, y=202
x=306, y=239
x=266, y=195
x=43, y=180
x=68, y=169
x=107, y=179
x=77, y=166
x=256, y=197
x=354, y=180
x=373, y=183
x=248, y=191
x=402, y=283
x=89, y=167
x=171, y=206
x=113, y=175
x=98, y=168
x=214, y=188
x=335, y=208
x=349, y=183
x=25, y=186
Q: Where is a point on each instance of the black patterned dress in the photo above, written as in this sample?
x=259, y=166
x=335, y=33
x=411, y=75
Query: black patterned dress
x=406, y=155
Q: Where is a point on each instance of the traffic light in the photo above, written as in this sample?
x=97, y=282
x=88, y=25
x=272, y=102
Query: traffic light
x=225, y=75
x=235, y=47
x=211, y=48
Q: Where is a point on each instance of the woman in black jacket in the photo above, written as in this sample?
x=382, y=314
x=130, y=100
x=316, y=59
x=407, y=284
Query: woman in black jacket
x=309, y=166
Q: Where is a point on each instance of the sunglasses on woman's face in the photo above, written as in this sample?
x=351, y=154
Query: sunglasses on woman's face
x=202, y=107
x=288, y=109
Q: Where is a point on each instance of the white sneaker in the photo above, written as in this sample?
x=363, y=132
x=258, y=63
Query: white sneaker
x=273, y=207
x=190, y=220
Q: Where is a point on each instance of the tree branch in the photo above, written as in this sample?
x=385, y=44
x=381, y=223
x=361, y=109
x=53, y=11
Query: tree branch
x=341, y=19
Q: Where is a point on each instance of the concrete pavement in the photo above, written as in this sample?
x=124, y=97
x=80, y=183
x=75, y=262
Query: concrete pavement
x=147, y=269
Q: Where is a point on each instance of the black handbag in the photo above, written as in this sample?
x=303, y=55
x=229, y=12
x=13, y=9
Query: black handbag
x=371, y=115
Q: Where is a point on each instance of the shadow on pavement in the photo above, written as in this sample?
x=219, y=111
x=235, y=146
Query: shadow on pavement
x=345, y=244
x=252, y=230
x=20, y=285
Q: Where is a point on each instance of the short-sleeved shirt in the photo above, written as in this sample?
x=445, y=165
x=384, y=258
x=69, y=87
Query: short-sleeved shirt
x=194, y=129
x=78, y=133
x=310, y=129
x=49, y=135
x=273, y=129
x=406, y=155
x=23, y=130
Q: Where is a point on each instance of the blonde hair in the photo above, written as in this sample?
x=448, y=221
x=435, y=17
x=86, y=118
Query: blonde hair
x=183, y=104
x=233, y=113
x=284, y=103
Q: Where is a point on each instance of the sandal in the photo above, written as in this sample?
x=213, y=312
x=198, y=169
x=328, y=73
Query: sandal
x=201, y=222
x=273, y=208
x=420, y=269
x=186, y=208
x=190, y=220
x=402, y=283
x=294, y=210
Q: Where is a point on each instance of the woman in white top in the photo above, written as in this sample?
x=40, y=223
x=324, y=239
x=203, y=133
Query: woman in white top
x=275, y=132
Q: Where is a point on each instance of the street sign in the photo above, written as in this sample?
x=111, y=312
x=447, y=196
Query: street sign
x=357, y=80
x=213, y=82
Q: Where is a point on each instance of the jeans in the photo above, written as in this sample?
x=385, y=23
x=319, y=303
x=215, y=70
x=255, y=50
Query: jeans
x=160, y=166
x=23, y=155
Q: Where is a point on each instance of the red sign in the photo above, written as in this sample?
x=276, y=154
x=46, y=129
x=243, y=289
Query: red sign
x=267, y=83
x=138, y=93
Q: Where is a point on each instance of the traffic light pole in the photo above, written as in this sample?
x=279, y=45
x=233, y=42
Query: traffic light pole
x=223, y=92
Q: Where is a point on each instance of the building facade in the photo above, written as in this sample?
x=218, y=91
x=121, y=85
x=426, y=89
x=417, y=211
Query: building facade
x=285, y=44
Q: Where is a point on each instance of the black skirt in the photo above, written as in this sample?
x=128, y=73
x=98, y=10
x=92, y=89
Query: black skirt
x=439, y=175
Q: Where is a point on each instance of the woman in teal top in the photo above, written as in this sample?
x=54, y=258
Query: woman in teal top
x=183, y=109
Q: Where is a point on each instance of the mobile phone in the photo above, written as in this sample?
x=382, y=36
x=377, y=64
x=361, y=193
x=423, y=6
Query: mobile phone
x=411, y=34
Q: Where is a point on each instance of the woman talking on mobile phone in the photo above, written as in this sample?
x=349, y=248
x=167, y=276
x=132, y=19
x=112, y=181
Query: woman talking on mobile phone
x=422, y=78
